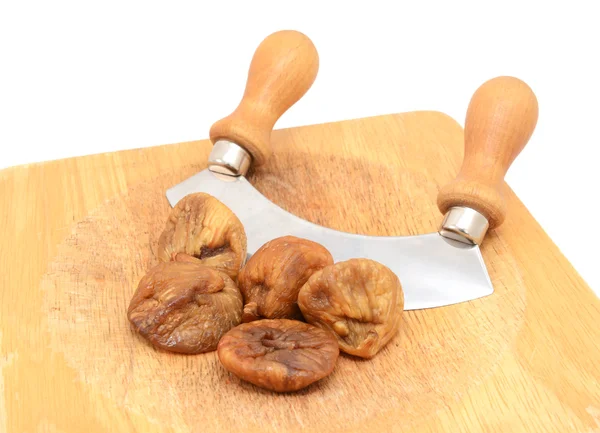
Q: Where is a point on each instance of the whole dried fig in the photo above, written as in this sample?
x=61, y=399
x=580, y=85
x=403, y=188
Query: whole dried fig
x=271, y=279
x=185, y=307
x=360, y=300
x=281, y=355
x=203, y=227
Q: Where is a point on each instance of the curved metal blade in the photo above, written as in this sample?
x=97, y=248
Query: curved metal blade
x=433, y=270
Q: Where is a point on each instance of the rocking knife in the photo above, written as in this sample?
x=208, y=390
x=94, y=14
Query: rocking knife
x=435, y=269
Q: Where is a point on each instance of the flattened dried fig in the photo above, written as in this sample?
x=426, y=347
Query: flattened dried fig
x=185, y=307
x=271, y=279
x=203, y=227
x=280, y=355
x=360, y=300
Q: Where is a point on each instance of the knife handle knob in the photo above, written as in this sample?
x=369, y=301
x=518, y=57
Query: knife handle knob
x=500, y=119
x=282, y=70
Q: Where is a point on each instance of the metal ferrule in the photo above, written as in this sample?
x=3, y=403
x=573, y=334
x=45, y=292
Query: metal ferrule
x=465, y=225
x=228, y=158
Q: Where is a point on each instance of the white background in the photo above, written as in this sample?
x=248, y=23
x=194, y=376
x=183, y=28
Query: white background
x=79, y=77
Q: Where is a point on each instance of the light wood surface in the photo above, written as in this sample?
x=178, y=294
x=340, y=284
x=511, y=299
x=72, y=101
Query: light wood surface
x=78, y=234
x=500, y=119
x=282, y=70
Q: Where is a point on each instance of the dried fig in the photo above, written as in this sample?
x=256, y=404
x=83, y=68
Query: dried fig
x=203, y=227
x=271, y=279
x=185, y=307
x=281, y=355
x=360, y=300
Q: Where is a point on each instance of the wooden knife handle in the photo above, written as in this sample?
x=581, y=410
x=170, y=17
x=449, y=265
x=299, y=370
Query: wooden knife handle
x=500, y=119
x=283, y=68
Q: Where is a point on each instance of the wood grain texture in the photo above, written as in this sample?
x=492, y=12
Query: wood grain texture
x=500, y=119
x=79, y=233
x=282, y=70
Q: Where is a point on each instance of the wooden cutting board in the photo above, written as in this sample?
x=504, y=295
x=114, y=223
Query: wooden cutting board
x=79, y=233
